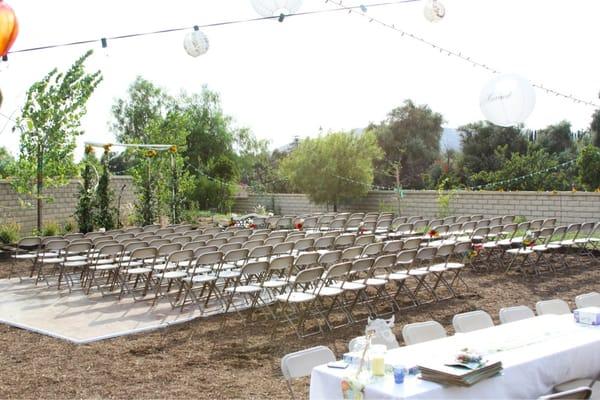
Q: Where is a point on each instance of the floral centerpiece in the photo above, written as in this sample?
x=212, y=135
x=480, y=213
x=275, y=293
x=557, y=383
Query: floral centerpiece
x=299, y=224
x=433, y=234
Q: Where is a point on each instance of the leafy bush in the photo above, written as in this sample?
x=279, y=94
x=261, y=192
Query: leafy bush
x=9, y=232
x=50, y=229
x=588, y=164
x=68, y=227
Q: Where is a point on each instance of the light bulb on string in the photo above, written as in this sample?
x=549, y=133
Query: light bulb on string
x=195, y=43
x=434, y=11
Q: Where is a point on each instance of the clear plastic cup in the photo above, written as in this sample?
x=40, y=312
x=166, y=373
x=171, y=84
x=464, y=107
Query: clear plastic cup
x=399, y=373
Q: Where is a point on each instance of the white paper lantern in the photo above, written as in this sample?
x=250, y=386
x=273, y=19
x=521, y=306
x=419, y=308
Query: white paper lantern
x=434, y=11
x=269, y=8
x=195, y=43
x=507, y=100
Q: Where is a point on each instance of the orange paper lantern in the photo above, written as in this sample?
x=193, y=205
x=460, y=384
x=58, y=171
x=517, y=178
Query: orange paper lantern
x=9, y=28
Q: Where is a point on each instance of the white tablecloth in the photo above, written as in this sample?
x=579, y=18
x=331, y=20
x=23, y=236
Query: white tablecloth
x=536, y=354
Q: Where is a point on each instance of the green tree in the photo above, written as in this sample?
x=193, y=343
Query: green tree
x=595, y=127
x=588, y=165
x=557, y=138
x=105, y=215
x=50, y=123
x=84, y=213
x=146, y=205
x=410, y=138
x=6, y=162
x=332, y=168
x=534, y=170
x=485, y=146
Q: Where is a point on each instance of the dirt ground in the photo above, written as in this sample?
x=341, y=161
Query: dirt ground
x=202, y=359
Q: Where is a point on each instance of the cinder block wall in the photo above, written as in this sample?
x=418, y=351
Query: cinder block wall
x=567, y=207
x=60, y=209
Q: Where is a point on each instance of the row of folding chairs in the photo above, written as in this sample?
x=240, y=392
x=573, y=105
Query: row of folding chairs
x=378, y=285
x=532, y=252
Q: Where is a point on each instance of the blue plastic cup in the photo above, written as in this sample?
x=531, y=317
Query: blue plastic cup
x=399, y=373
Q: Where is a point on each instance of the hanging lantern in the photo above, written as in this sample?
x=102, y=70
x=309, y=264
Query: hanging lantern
x=434, y=11
x=195, y=43
x=9, y=28
x=507, y=100
x=270, y=8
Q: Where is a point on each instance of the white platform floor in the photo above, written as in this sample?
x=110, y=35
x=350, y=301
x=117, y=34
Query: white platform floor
x=80, y=318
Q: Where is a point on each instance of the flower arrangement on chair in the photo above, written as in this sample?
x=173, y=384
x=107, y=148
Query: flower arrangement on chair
x=299, y=224
x=433, y=234
x=361, y=229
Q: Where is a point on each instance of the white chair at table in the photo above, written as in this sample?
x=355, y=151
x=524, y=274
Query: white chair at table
x=591, y=299
x=582, y=392
x=301, y=363
x=420, y=332
x=554, y=306
x=575, y=384
x=516, y=313
x=472, y=321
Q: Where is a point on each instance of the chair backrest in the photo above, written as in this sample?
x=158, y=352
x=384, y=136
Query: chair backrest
x=226, y=235
x=373, y=249
x=392, y=246
x=235, y=255
x=516, y=313
x=329, y=258
x=180, y=256
x=362, y=265
x=363, y=240
x=405, y=227
x=337, y=271
x=144, y=253
x=57, y=244
x=554, y=306
x=304, y=244
x=324, y=242
x=272, y=241
x=31, y=241
x=110, y=250
x=193, y=245
x=461, y=219
x=210, y=258
x=412, y=244
x=229, y=246
x=308, y=275
x=472, y=321
x=406, y=257
x=159, y=242
x=420, y=225
x=344, y=240
x=78, y=248
x=351, y=253
x=386, y=262
x=445, y=250
x=182, y=239
x=165, y=249
x=307, y=259
x=216, y=242
x=283, y=248
x=588, y=300
x=301, y=363
x=281, y=263
x=420, y=332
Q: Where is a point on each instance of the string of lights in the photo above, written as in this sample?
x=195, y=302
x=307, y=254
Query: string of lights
x=104, y=40
x=523, y=177
x=363, y=12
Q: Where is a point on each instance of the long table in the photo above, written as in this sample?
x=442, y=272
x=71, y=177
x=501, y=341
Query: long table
x=536, y=353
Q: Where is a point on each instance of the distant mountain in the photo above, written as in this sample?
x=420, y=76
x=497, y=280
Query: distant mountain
x=450, y=139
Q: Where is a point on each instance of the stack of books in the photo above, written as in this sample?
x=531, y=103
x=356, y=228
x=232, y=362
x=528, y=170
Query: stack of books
x=460, y=374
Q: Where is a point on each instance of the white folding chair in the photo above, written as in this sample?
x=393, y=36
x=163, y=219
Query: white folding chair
x=301, y=363
x=516, y=313
x=583, y=392
x=420, y=332
x=472, y=321
x=588, y=300
x=554, y=306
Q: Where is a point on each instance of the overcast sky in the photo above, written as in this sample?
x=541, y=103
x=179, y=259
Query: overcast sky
x=335, y=71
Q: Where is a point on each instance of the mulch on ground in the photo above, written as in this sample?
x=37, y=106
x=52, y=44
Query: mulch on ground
x=221, y=357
